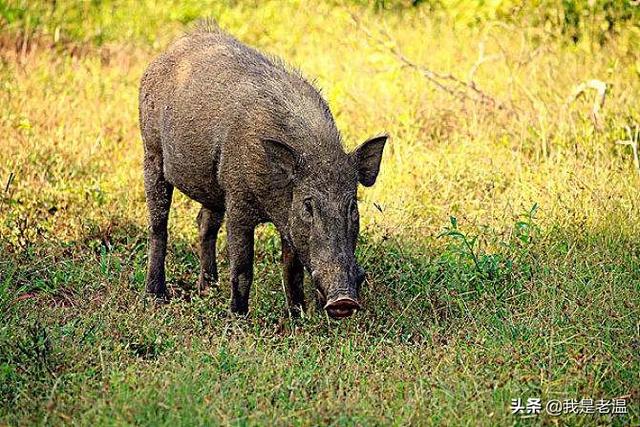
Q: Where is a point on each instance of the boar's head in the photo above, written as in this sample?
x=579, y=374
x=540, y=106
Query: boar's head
x=323, y=219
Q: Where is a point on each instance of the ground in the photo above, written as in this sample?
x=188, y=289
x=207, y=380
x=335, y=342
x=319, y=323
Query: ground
x=500, y=241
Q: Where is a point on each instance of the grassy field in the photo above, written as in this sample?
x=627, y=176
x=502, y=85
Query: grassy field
x=501, y=240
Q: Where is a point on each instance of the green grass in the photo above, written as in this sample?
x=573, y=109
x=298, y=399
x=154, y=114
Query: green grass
x=501, y=247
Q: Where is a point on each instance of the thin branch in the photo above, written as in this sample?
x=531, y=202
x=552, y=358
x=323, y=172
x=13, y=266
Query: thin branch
x=481, y=60
x=598, y=102
x=634, y=139
x=446, y=82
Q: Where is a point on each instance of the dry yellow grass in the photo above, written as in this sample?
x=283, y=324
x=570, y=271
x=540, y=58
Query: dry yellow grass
x=446, y=156
x=69, y=137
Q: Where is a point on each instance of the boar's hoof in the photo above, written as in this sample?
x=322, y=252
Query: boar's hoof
x=207, y=287
x=341, y=307
x=160, y=298
x=239, y=309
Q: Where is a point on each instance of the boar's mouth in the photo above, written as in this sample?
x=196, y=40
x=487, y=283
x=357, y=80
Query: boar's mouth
x=341, y=307
x=340, y=303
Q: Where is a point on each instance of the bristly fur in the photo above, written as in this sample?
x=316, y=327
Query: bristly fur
x=204, y=25
x=209, y=25
x=251, y=139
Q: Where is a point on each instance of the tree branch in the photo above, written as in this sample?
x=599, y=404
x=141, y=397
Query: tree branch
x=448, y=83
x=598, y=102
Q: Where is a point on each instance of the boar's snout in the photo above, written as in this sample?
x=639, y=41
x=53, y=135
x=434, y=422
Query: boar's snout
x=341, y=306
x=341, y=301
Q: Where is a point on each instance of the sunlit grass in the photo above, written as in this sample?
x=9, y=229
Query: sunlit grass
x=532, y=292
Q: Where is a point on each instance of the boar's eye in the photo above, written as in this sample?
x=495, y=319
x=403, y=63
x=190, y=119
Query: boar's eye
x=308, y=209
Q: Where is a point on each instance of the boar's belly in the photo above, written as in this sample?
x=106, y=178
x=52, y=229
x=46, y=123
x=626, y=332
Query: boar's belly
x=194, y=174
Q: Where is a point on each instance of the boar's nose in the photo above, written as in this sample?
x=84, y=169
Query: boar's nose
x=341, y=306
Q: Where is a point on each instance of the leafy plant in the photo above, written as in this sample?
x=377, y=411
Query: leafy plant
x=495, y=270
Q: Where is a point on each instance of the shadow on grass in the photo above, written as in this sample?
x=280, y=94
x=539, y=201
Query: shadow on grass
x=410, y=287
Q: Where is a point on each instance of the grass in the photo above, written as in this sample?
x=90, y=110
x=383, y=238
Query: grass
x=501, y=246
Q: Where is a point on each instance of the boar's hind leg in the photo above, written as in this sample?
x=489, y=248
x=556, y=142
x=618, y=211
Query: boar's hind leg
x=209, y=223
x=158, y=192
x=240, y=247
x=293, y=279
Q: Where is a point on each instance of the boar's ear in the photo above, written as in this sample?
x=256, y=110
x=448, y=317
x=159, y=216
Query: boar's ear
x=283, y=161
x=367, y=158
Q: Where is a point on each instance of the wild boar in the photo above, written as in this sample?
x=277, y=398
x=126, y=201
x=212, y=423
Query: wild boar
x=243, y=135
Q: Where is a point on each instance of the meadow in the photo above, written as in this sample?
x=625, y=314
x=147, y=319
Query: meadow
x=501, y=240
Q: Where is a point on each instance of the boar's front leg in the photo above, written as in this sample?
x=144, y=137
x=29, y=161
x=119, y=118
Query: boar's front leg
x=209, y=223
x=240, y=247
x=293, y=279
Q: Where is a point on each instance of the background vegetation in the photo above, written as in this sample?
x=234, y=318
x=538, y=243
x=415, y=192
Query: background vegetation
x=501, y=240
